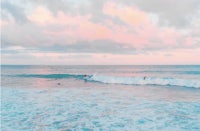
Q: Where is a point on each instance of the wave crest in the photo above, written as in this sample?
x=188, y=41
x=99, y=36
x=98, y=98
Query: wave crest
x=146, y=81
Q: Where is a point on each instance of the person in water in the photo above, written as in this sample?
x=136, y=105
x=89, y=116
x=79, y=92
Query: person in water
x=144, y=77
x=85, y=77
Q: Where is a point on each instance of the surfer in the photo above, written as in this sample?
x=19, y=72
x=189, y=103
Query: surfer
x=144, y=77
x=85, y=77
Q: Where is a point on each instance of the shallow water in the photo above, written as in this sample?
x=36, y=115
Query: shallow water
x=35, y=103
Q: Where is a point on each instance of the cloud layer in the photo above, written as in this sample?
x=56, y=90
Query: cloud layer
x=119, y=28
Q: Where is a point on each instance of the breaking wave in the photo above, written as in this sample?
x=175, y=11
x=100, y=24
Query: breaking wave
x=165, y=81
x=146, y=81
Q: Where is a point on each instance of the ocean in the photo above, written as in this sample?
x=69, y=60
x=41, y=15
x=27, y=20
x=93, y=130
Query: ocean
x=100, y=98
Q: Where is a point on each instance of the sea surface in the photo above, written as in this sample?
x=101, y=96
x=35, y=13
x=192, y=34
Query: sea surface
x=100, y=98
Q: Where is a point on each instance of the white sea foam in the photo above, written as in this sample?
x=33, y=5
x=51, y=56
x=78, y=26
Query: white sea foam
x=83, y=109
x=146, y=81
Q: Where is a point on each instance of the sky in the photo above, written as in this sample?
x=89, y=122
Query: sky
x=100, y=32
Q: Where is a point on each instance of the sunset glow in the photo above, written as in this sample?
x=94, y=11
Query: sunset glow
x=100, y=32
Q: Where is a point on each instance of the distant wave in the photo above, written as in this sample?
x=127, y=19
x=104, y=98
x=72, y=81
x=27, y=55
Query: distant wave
x=166, y=81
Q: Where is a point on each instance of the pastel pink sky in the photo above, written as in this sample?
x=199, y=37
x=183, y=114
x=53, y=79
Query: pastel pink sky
x=117, y=33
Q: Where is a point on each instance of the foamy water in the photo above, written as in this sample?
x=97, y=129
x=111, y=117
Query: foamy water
x=109, y=98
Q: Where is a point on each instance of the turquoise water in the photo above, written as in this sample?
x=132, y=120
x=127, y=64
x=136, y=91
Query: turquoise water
x=62, y=98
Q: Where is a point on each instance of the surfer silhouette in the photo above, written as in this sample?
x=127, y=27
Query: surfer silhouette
x=85, y=77
x=144, y=77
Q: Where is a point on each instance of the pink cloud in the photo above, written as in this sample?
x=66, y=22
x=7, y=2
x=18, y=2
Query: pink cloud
x=139, y=32
x=82, y=27
x=41, y=16
x=145, y=29
x=132, y=16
